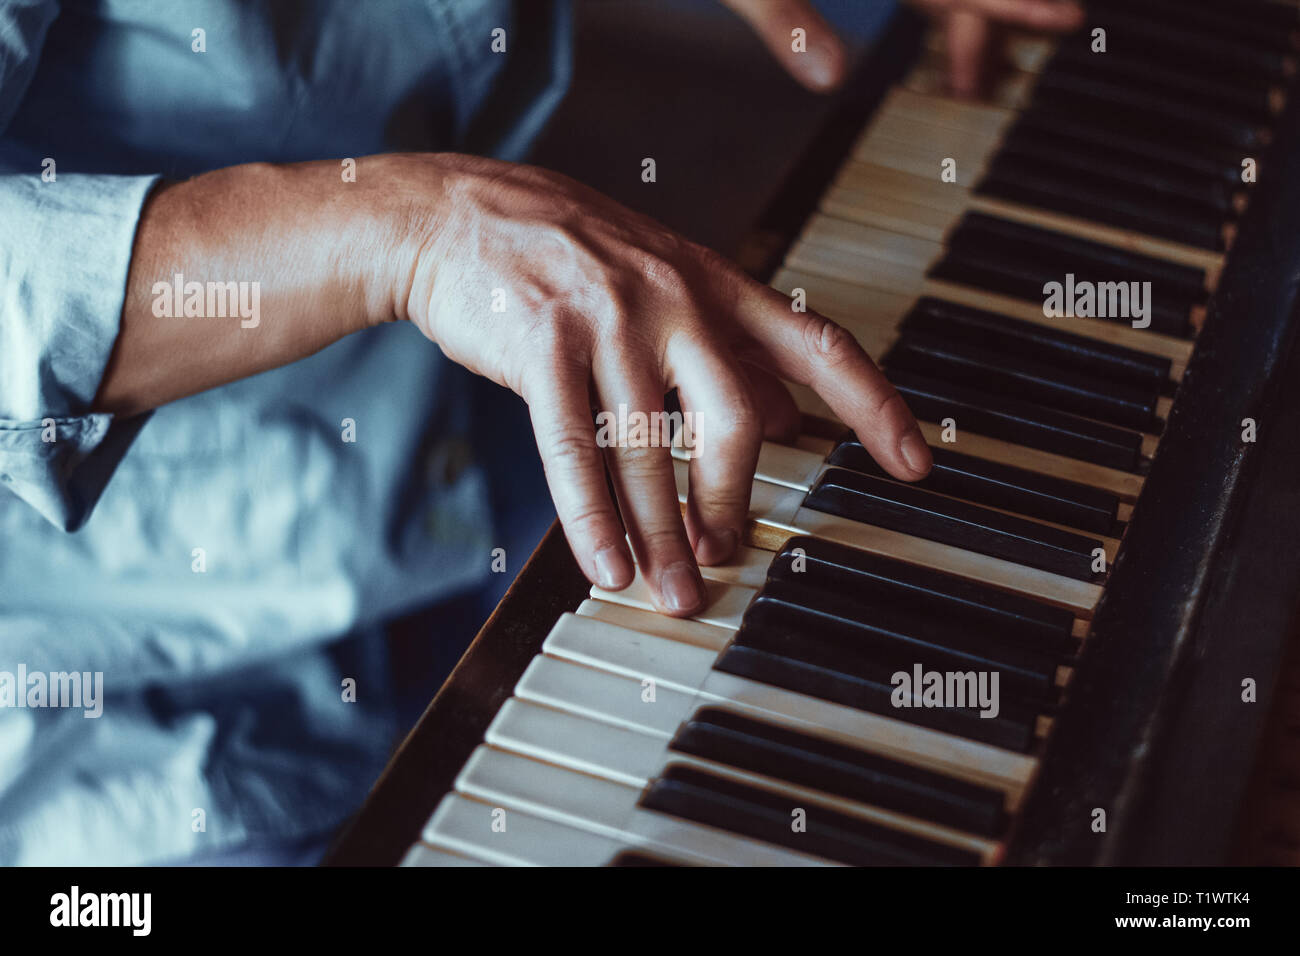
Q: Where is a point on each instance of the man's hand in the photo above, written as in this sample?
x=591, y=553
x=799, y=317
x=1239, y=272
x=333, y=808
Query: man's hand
x=536, y=282
x=968, y=24
x=602, y=307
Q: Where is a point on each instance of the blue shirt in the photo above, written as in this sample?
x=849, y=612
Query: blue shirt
x=203, y=556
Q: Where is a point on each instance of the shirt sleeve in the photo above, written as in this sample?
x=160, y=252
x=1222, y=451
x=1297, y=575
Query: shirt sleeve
x=64, y=254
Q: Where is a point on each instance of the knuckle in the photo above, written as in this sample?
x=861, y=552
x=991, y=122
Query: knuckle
x=665, y=543
x=828, y=341
x=890, y=397
x=570, y=448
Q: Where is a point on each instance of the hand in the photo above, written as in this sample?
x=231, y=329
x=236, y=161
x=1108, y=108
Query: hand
x=601, y=307
x=969, y=26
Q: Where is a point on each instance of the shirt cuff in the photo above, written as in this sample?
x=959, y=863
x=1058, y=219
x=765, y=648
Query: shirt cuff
x=63, y=271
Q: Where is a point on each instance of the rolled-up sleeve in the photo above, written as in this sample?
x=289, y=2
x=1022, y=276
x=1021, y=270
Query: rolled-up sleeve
x=65, y=249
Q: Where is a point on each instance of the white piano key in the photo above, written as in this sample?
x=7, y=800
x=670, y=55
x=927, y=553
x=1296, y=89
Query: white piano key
x=622, y=663
x=780, y=509
x=464, y=825
x=610, y=809
x=635, y=758
x=421, y=854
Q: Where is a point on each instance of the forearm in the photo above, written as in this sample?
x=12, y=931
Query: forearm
x=309, y=258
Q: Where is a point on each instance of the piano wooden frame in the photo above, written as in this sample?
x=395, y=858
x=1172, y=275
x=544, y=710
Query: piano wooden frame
x=1203, y=594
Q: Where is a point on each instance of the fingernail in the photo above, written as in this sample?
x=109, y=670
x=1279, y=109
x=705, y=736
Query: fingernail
x=820, y=67
x=613, y=570
x=916, y=453
x=680, y=587
x=715, y=546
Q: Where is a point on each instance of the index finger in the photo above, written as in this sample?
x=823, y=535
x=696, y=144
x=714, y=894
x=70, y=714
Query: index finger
x=810, y=349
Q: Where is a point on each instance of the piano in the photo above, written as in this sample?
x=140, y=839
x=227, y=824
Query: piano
x=1110, y=527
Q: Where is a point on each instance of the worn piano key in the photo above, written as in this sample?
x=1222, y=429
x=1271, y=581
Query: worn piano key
x=778, y=514
x=1089, y=193
x=1122, y=108
x=606, y=809
x=421, y=854
x=875, y=640
x=989, y=483
x=1015, y=267
x=1251, y=22
x=1116, y=168
x=1021, y=422
x=1071, y=253
x=1152, y=150
x=1008, y=258
x=890, y=634
x=908, y=799
x=724, y=737
x=915, y=511
x=1239, y=96
x=1054, y=346
x=1029, y=379
x=1170, y=41
x=1014, y=732
x=965, y=603
x=1124, y=485
x=802, y=469
x=692, y=794
x=863, y=307
x=604, y=669
x=905, y=197
x=462, y=825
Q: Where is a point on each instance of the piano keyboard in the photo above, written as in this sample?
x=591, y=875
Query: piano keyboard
x=768, y=730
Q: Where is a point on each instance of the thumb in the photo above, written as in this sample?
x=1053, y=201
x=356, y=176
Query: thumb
x=799, y=38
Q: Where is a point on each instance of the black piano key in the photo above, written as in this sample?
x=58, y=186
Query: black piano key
x=1007, y=272
x=1000, y=486
x=976, y=228
x=1179, y=46
x=1021, y=260
x=840, y=770
x=1254, y=22
x=1262, y=22
x=764, y=815
x=1239, y=96
x=875, y=640
x=1123, y=106
x=830, y=685
x=833, y=566
x=1161, y=152
x=1086, y=195
x=1113, y=363
x=1027, y=379
x=1021, y=422
x=1101, y=165
x=914, y=511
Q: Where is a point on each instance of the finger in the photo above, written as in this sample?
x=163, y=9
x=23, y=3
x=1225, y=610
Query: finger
x=727, y=429
x=1031, y=14
x=781, y=416
x=647, y=496
x=575, y=473
x=968, y=40
x=818, y=62
x=811, y=350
